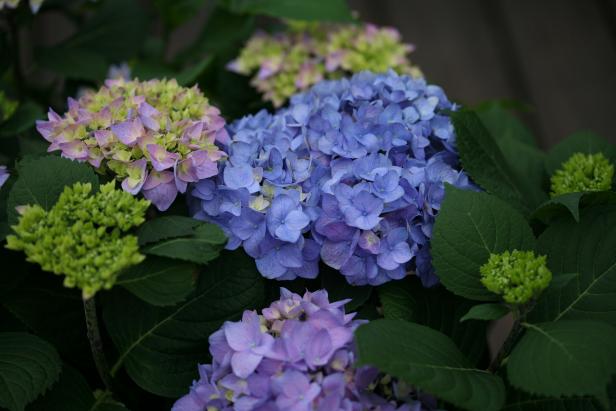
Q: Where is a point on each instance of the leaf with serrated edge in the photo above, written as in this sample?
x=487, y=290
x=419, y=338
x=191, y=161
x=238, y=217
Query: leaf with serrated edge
x=203, y=247
x=469, y=227
x=28, y=367
x=565, y=358
x=586, y=248
x=160, y=347
x=485, y=312
x=166, y=227
x=429, y=360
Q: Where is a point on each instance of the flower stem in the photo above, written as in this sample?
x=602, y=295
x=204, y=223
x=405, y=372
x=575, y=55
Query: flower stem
x=512, y=338
x=96, y=342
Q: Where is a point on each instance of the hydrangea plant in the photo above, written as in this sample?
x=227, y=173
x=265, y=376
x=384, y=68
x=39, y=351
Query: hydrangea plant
x=352, y=172
x=35, y=5
x=518, y=276
x=293, y=60
x=583, y=172
x=298, y=354
x=83, y=236
x=155, y=136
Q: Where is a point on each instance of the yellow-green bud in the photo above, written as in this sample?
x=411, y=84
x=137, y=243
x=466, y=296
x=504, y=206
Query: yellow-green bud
x=583, y=172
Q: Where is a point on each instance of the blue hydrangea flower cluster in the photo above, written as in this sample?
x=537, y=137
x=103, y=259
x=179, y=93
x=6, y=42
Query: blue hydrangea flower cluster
x=352, y=172
x=297, y=355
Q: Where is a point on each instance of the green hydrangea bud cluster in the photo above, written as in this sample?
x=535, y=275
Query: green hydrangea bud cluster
x=583, y=172
x=517, y=275
x=82, y=236
x=288, y=62
x=7, y=107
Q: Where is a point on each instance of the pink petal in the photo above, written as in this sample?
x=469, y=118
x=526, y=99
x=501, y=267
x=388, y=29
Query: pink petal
x=128, y=131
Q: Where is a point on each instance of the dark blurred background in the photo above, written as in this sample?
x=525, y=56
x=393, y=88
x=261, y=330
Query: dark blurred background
x=558, y=56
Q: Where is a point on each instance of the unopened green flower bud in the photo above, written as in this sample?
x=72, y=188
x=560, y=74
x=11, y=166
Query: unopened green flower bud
x=83, y=236
x=583, y=172
x=518, y=276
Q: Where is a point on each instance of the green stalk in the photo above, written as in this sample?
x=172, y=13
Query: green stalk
x=96, y=342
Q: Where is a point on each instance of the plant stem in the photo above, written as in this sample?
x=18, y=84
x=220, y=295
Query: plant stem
x=512, y=338
x=96, y=342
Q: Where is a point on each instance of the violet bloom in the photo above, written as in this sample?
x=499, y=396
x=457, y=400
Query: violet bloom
x=352, y=172
x=297, y=355
x=4, y=175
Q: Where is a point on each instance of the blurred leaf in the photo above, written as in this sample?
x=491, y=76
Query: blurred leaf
x=564, y=358
x=585, y=248
x=147, y=70
x=222, y=32
x=502, y=124
x=339, y=289
x=161, y=347
x=117, y=30
x=525, y=402
x=162, y=228
x=23, y=119
x=75, y=63
x=202, y=247
x=483, y=160
x=189, y=75
x=429, y=360
x=176, y=12
x=581, y=142
x=42, y=180
x=436, y=308
x=70, y=393
x=485, y=312
x=159, y=281
x=322, y=10
x=28, y=367
x=471, y=226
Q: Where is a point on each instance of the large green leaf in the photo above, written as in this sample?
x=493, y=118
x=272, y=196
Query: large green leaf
x=470, y=226
x=436, y=308
x=23, y=119
x=485, y=163
x=42, y=180
x=429, y=360
x=582, y=142
x=165, y=227
x=324, y=10
x=518, y=401
x=75, y=63
x=159, y=281
x=572, y=203
x=202, y=247
x=498, y=118
x=564, y=358
x=587, y=248
x=70, y=393
x=28, y=367
x=485, y=312
x=160, y=347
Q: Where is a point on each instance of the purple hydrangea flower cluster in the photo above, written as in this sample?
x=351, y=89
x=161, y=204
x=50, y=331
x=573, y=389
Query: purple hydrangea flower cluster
x=155, y=136
x=297, y=355
x=352, y=172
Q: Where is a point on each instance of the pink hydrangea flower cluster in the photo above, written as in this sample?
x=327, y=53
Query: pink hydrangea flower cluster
x=154, y=136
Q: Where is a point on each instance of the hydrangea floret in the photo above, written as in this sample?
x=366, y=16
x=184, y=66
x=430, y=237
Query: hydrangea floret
x=583, y=172
x=4, y=175
x=155, y=136
x=352, y=173
x=83, y=236
x=518, y=276
x=290, y=61
x=298, y=354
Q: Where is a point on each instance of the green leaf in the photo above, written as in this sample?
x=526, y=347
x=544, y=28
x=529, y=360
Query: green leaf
x=571, y=203
x=23, y=119
x=74, y=63
x=436, y=308
x=564, y=358
x=519, y=401
x=159, y=281
x=117, y=30
x=189, y=76
x=223, y=34
x=160, y=347
x=486, y=312
x=203, y=247
x=28, y=367
x=581, y=142
x=42, y=180
x=429, y=360
x=165, y=227
x=324, y=10
x=471, y=226
x=586, y=248
x=485, y=163
x=339, y=289
x=503, y=125
x=70, y=393
x=176, y=12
